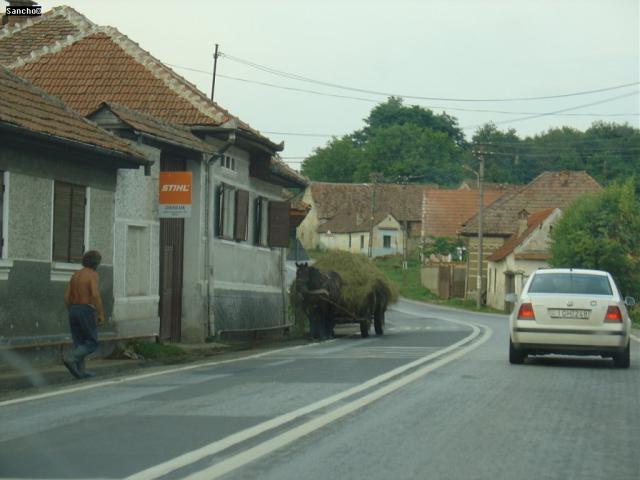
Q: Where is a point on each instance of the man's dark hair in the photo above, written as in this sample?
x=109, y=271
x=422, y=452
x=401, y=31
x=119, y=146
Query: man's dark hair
x=91, y=259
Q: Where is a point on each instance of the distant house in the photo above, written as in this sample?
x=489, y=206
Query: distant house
x=349, y=231
x=357, y=203
x=58, y=177
x=523, y=253
x=501, y=218
x=219, y=269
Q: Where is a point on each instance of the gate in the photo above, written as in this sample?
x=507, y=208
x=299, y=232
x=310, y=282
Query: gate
x=171, y=265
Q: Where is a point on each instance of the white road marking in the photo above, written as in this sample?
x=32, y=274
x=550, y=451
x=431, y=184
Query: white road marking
x=254, y=453
x=244, y=435
x=635, y=338
x=121, y=380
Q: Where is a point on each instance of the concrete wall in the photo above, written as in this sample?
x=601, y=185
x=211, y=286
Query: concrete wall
x=307, y=230
x=31, y=284
x=136, y=247
x=247, y=281
x=489, y=245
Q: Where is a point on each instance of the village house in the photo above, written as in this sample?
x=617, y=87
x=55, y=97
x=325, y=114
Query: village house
x=221, y=268
x=354, y=205
x=523, y=253
x=501, y=218
x=58, y=176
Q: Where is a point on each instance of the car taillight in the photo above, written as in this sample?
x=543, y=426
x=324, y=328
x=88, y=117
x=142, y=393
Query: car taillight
x=613, y=315
x=526, y=312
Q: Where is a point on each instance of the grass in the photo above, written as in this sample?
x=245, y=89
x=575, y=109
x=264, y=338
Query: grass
x=410, y=286
x=157, y=351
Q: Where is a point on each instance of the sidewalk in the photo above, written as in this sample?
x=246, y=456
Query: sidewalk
x=22, y=378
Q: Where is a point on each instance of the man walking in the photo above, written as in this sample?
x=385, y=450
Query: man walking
x=82, y=298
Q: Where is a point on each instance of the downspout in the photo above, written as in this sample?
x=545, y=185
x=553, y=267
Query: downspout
x=231, y=139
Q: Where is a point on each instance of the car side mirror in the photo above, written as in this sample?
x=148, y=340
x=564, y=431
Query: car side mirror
x=511, y=298
x=629, y=301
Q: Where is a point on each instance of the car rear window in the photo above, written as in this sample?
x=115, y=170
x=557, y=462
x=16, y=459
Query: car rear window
x=570, y=283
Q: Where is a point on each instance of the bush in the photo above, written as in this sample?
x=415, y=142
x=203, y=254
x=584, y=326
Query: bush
x=152, y=350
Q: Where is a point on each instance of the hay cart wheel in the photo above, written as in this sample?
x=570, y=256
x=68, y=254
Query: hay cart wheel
x=365, y=325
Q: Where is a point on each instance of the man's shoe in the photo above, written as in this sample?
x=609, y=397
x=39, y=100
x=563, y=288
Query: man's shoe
x=73, y=370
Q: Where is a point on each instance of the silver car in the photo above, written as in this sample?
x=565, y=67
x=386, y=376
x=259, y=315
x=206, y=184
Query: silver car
x=572, y=312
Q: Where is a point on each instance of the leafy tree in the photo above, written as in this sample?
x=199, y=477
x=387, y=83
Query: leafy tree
x=337, y=162
x=601, y=231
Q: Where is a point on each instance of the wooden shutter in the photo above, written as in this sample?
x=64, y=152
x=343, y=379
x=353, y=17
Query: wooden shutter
x=279, y=224
x=69, y=203
x=241, y=214
x=219, y=220
x=257, y=224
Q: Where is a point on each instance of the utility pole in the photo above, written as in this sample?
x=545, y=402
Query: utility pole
x=374, y=180
x=480, y=232
x=404, y=180
x=215, y=66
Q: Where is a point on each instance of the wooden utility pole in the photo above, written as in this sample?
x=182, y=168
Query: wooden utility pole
x=480, y=232
x=215, y=66
x=374, y=181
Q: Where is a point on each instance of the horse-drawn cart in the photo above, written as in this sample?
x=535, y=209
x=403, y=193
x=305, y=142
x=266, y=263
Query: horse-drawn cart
x=342, y=288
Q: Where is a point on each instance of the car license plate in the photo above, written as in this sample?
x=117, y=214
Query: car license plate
x=569, y=313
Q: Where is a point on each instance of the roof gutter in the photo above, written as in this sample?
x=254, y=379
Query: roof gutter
x=130, y=160
x=265, y=146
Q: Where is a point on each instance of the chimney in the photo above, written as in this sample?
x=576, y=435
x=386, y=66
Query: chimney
x=15, y=19
x=523, y=221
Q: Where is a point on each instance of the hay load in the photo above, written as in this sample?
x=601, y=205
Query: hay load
x=359, y=277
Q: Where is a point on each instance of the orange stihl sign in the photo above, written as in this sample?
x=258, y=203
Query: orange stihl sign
x=175, y=195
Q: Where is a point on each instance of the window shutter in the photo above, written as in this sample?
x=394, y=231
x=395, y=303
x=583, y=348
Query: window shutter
x=257, y=224
x=242, y=215
x=76, y=234
x=2, y=200
x=219, y=210
x=61, y=221
x=279, y=224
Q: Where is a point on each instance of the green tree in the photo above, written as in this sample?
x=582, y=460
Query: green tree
x=336, y=162
x=602, y=231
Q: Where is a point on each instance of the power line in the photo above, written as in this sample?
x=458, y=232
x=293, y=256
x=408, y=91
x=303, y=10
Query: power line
x=301, y=78
x=372, y=100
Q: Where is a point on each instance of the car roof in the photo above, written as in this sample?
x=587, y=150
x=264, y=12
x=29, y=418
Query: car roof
x=545, y=271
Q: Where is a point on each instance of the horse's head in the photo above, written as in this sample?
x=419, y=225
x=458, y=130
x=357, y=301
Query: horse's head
x=307, y=277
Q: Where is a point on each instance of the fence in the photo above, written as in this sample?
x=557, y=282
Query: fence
x=447, y=280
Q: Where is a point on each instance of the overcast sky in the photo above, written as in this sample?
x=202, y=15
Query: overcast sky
x=441, y=49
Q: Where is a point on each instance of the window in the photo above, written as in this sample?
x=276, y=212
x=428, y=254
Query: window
x=69, y=205
x=279, y=224
x=570, y=283
x=138, y=261
x=3, y=201
x=229, y=162
x=386, y=241
x=349, y=240
x=232, y=213
x=361, y=242
x=261, y=221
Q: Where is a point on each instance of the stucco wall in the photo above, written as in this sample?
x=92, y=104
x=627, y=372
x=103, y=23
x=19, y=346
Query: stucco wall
x=247, y=282
x=489, y=245
x=307, y=230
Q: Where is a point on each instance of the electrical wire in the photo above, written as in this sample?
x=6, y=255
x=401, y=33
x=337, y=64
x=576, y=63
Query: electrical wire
x=372, y=100
x=301, y=78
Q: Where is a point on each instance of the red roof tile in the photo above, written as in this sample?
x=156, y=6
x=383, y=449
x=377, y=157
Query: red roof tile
x=444, y=211
x=348, y=221
x=29, y=108
x=533, y=221
x=90, y=64
x=547, y=190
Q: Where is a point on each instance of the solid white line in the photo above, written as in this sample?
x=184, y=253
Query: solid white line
x=269, y=446
x=447, y=309
x=243, y=435
x=121, y=380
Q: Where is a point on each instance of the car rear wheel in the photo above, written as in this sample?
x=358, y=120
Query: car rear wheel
x=516, y=356
x=623, y=359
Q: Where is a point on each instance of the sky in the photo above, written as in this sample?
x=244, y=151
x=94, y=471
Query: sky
x=454, y=55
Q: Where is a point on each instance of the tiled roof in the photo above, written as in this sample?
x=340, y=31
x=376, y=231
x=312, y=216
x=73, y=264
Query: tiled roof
x=403, y=201
x=27, y=107
x=547, y=190
x=85, y=65
x=282, y=170
x=533, y=221
x=175, y=134
x=348, y=221
x=444, y=211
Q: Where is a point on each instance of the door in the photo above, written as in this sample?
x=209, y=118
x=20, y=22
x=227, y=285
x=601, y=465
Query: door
x=171, y=265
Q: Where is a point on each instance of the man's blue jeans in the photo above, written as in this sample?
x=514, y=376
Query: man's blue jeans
x=84, y=331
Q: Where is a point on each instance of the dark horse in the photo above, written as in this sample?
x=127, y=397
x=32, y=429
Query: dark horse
x=320, y=293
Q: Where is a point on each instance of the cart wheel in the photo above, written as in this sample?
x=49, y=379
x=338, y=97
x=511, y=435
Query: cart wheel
x=364, y=328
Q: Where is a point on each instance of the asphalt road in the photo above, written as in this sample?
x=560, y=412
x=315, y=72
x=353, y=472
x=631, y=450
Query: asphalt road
x=433, y=398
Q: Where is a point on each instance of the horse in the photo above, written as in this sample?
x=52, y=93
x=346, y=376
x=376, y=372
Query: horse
x=320, y=294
